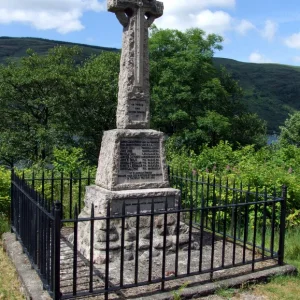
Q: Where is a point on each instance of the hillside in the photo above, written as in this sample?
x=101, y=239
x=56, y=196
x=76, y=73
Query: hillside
x=271, y=90
x=14, y=48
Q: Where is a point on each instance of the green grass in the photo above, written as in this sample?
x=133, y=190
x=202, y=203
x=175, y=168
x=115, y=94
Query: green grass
x=10, y=287
x=4, y=226
x=279, y=287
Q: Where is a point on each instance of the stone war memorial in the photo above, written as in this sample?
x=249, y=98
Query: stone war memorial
x=132, y=174
x=136, y=235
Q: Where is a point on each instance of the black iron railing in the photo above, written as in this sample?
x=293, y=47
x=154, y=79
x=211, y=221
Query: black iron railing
x=225, y=227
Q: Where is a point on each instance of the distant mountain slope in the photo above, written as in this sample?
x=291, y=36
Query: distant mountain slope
x=16, y=47
x=271, y=90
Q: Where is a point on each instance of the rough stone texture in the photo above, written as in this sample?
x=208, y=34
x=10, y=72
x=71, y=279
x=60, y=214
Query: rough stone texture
x=101, y=197
x=108, y=172
x=102, y=200
x=134, y=86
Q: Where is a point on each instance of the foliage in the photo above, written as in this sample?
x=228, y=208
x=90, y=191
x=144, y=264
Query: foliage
x=290, y=132
x=4, y=191
x=4, y=199
x=50, y=101
x=270, y=90
x=191, y=100
x=33, y=98
x=92, y=108
x=68, y=160
x=177, y=293
x=270, y=167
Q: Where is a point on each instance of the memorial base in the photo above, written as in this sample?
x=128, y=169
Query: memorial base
x=116, y=204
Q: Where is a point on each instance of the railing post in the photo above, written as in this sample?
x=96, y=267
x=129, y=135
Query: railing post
x=282, y=226
x=56, y=257
x=12, y=200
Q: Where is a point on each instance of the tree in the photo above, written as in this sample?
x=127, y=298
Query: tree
x=191, y=99
x=93, y=105
x=290, y=132
x=247, y=129
x=33, y=93
x=52, y=101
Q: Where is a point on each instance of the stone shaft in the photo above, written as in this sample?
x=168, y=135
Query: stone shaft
x=134, y=87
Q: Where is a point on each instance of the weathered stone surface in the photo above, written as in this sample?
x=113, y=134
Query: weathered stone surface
x=100, y=260
x=146, y=254
x=134, y=86
x=158, y=243
x=101, y=197
x=161, y=231
x=144, y=245
x=112, y=246
x=183, y=239
x=132, y=159
x=128, y=255
x=128, y=245
x=101, y=236
x=130, y=235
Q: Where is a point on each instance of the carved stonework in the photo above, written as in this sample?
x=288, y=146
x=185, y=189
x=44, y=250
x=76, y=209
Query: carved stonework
x=136, y=16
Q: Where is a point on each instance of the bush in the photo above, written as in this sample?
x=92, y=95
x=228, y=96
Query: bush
x=270, y=167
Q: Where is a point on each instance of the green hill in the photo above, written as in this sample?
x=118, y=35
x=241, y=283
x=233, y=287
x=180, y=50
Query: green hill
x=14, y=48
x=271, y=90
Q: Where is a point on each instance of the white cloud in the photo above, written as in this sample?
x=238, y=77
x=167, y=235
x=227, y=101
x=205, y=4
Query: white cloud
x=212, y=22
x=182, y=14
x=256, y=57
x=183, y=6
x=293, y=41
x=61, y=15
x=269, y=30
x=244, y=26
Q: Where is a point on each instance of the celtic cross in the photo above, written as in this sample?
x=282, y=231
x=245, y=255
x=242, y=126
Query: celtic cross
x=136, y=16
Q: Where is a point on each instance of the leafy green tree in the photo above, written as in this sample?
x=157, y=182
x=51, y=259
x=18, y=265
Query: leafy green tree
x=247, y=129
x=290, y=132
x=93, y=105
x=52, y=101
x=33, y=97
x=192, y=100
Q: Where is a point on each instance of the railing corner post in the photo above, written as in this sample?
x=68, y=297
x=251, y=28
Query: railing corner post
x=56, y=258
x=282, y=226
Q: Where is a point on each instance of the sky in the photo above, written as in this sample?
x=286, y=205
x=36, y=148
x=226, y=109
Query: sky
x=258, y=31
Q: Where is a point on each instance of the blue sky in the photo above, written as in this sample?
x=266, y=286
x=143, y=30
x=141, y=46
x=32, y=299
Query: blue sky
x=254, y=31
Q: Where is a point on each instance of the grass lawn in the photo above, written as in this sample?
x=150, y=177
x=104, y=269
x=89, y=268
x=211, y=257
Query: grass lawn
x=281, y=287
x=9, y=283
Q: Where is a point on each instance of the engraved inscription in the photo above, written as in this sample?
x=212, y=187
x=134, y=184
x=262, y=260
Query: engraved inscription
x=145, y=205
x=140, y=160
x=137, y=110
